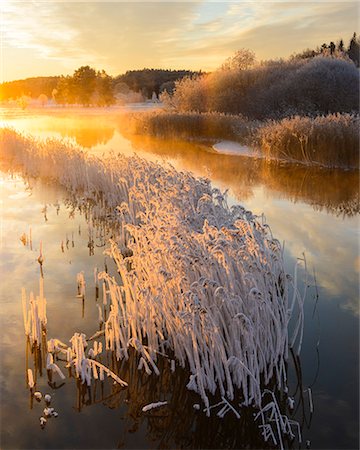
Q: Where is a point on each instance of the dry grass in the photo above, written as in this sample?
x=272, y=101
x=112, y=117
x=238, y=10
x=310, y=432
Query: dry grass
x=331, y=140
x=187, y=125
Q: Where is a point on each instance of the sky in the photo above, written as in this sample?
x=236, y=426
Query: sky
x=42, y=38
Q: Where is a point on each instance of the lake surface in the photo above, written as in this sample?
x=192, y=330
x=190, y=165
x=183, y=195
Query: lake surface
x=314, y=211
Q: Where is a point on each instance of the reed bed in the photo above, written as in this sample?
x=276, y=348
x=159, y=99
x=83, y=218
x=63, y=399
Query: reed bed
x=328, y=140
x=199, y=282
x=331, y=140
x=187, y=125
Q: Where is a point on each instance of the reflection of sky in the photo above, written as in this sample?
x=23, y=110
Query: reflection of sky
x=98, y=426
x=330, y=244
x=261, y=189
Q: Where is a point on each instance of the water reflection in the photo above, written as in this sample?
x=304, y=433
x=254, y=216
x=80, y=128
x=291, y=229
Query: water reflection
x=121, y=421
x=334, y=191
x=312, y=210
x=86, y=130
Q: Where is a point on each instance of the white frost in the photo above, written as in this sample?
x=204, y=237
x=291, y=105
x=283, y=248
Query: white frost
x=153, y=406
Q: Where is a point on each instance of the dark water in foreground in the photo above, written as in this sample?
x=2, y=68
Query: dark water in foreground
x=313, y=211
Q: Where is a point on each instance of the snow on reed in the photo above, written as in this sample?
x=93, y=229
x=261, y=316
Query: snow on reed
x=199, y=280
x=34, y=314
x=153, y=406
x=80, y=279
x=85, y=365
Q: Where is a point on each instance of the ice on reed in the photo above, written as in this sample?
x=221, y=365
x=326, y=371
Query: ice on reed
x=311, y=404
x=42, y=421
x=153, y=406
x=274, y=424
x=48, y=411
x=80, y=279
x=30, y=378
x=50, y=365
x=198, y=278
x=34, y=314
x=87, y=368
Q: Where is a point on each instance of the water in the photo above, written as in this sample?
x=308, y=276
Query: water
x=313, y=211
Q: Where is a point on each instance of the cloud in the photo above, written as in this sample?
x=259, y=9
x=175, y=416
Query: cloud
x=113, y=35
x=118, y=36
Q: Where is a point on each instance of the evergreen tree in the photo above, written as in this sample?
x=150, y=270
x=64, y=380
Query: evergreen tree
x=332, y=48
x=341, y=47
x=354, y=50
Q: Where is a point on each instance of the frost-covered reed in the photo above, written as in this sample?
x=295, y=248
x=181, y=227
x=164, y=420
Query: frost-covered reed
x=81, y=284
x=331, y=140
x=85, y=365
x=34, y=314
x=200, y=281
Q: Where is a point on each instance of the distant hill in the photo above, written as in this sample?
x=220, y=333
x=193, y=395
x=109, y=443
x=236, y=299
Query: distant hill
x=31, y=87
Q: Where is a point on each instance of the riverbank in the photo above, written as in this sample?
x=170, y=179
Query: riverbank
x=330, y=140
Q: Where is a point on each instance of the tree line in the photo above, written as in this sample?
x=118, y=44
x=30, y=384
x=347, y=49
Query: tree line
x=89, y=87
x=352, y=51
x=148, y=81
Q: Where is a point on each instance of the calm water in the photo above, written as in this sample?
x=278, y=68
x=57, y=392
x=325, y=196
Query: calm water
x=313, y=211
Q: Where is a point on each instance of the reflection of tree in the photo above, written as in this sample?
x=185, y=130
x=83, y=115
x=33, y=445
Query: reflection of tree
x=90, y=137
x=87, y=130
x=335, y=191
x=178, y=424
x=241, y=174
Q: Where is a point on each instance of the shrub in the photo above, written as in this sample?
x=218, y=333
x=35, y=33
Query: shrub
x=277, y=89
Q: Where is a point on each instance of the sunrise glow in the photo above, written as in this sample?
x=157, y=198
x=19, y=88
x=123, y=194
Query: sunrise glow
x=51, y=38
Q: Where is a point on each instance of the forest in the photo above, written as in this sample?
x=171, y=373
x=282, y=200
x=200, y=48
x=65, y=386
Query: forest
x=90, y=87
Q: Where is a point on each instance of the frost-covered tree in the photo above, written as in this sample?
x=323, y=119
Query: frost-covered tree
x=274, y=89
x=84, y=84
x=104, y=89
x=242, y=59
x=43, y=99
